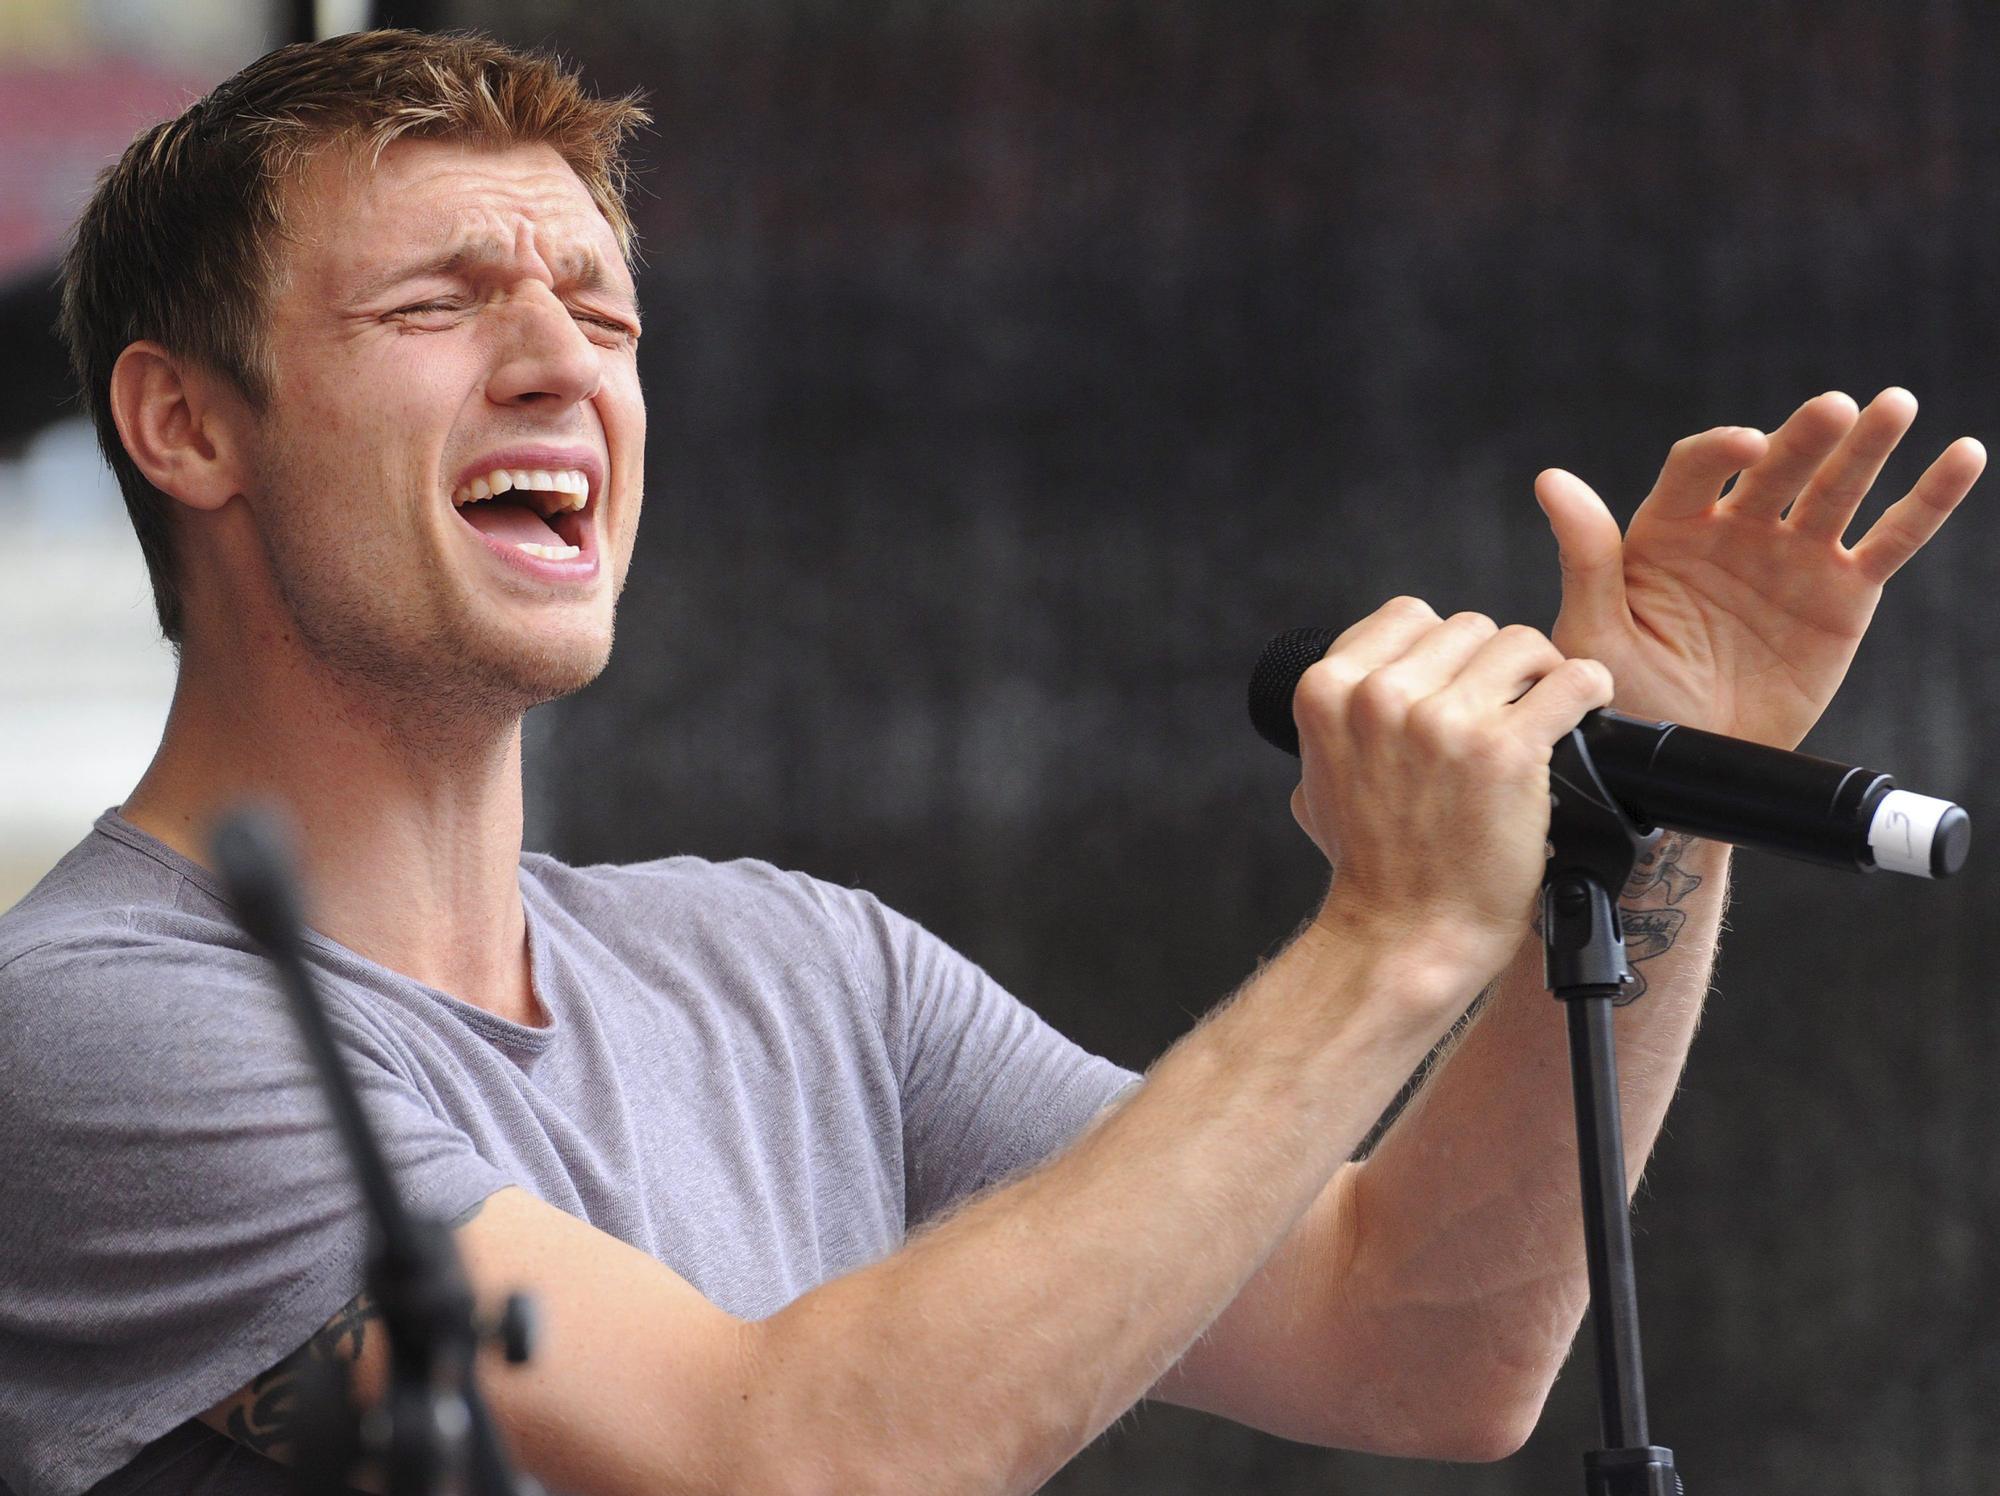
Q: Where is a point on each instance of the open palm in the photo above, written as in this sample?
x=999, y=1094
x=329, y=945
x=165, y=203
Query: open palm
x=1740, y=612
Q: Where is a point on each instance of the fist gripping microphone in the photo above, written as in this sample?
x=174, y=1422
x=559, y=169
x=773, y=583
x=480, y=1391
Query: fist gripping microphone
x=1725, y=789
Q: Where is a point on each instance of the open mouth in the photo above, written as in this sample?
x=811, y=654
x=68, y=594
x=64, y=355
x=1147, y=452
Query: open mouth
x=539, y=512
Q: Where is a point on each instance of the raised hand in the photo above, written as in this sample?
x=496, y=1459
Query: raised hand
x=1740, y=612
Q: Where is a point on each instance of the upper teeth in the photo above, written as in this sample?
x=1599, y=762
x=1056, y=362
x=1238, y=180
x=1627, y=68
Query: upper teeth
x=571, y=484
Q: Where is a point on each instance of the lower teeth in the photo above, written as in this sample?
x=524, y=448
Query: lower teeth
x=548, y=552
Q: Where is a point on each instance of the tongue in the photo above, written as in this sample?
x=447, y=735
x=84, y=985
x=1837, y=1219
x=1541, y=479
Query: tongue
x=509, y=522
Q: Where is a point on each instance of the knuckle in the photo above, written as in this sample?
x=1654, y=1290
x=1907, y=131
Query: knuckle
x=1323, y=686
x=1409, y=607
x=1533, y=647
x=1444, y=729
x=1477, y=623
x=1321, y=698
x=1586, y=679
x=1434, y=723
x=1378, y=698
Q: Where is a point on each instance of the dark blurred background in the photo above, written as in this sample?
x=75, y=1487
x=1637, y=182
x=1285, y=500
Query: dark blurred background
x=1016, y=368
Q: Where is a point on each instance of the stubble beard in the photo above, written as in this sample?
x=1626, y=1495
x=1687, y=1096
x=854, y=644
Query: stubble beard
x=413, y=649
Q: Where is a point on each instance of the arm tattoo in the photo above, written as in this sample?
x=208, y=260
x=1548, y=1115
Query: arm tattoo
x=266, y=1416
x=1647, y=915
x=1661, y=869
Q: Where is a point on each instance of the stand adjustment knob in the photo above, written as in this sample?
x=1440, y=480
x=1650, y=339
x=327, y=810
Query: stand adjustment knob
x=1645, y=1471
x=515, y=1328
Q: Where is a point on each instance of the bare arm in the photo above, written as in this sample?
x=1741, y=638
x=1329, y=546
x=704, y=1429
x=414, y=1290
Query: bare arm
x=1447, y=1270
x=1467, y=1214
x=993, y=1347
x=1459, y=1237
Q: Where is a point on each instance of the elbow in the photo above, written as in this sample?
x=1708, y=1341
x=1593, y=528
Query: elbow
x=1487, y=1428
x=1460, y=1419
x=1467, y=1437
x=1480, y=1441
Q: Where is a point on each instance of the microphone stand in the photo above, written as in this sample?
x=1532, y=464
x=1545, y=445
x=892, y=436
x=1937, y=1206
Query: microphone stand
x=433, y=1432
x=1593, y=848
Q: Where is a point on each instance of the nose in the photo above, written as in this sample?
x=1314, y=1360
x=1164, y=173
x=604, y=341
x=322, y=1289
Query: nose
x=545, y=359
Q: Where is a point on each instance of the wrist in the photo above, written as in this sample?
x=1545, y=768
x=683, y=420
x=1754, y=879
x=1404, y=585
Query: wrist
x=1422, y=967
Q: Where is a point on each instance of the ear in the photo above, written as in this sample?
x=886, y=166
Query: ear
x=182, y=425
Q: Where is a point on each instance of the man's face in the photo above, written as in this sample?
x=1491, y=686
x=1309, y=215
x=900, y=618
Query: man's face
x=452, y=321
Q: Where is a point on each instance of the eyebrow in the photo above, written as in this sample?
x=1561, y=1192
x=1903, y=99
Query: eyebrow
x=580, y=269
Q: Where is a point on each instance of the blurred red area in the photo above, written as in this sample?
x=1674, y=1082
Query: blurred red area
x=59, y=125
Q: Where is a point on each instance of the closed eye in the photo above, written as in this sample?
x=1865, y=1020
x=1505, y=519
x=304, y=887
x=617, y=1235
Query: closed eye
x=612, y=325
x=616, y=326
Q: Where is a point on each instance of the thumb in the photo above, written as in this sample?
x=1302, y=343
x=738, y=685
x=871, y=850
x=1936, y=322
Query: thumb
x=1590, y=548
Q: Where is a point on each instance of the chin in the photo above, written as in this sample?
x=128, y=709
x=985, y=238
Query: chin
x=552, y=668
x=458, y=659
x=476, y=676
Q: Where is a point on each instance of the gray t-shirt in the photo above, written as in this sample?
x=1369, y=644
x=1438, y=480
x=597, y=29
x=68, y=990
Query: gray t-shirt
x=762, y=1080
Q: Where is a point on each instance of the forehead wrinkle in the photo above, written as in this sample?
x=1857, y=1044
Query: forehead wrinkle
x=469, y=203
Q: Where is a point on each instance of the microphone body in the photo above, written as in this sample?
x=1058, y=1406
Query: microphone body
x=1793, y=804
x=1726, y=789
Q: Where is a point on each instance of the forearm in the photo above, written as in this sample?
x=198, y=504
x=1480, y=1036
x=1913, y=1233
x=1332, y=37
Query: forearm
x=1467, y=1214
x=996, y=1345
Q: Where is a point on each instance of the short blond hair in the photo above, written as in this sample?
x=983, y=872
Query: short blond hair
x=180, y=242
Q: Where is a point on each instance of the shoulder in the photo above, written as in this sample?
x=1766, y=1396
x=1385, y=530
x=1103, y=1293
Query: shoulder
x=117, y=973
x=134, y=1007
x=110, y=918
x=113, y=891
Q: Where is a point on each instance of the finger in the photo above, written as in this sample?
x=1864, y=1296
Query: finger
x=1907, y=524
x=1557, y=702
x=1797, y=449
x=1434, y=661
x=1827, y=506
x=1589, y=547
x=1695, y=470
x=1382, y=636
x=1505, y=667
x=1320, y=700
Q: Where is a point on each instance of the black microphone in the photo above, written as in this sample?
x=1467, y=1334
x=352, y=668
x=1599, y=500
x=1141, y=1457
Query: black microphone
x=1726, y=789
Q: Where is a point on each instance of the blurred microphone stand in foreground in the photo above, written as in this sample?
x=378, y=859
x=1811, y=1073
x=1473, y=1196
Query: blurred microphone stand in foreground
x=432, y=1432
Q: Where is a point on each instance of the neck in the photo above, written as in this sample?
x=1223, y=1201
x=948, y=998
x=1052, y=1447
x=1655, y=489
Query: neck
x=408, y=832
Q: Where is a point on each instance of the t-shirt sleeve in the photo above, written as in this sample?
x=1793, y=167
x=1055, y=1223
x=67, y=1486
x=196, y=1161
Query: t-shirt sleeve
x=177, y=1213
x=988, y=1087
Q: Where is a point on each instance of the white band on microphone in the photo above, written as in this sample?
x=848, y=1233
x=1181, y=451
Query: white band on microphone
x=1901, y=834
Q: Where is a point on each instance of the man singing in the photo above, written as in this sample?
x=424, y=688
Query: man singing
x=808, y=1204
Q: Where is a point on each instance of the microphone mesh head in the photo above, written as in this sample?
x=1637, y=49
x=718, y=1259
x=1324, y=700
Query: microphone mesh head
x=1284, y=660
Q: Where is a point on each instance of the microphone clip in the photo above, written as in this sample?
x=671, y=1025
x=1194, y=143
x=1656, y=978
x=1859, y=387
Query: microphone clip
x=1593, y=847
